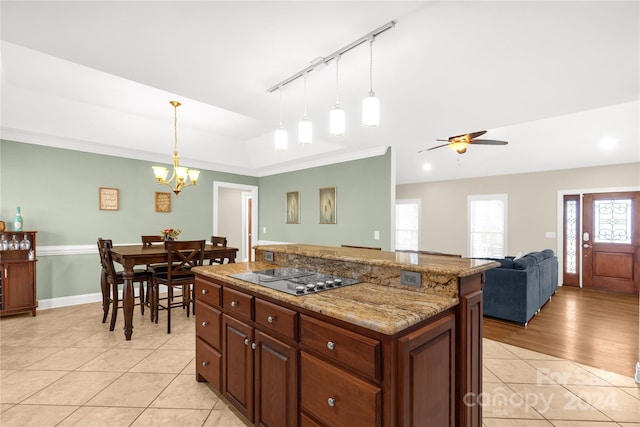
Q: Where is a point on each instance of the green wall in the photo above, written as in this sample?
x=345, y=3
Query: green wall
x=363, y=192
x=57, y=190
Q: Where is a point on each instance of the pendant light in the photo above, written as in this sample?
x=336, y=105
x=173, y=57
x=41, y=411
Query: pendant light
x=371, y=104
x=280, y=136
x=305, y=127
x=337, y=119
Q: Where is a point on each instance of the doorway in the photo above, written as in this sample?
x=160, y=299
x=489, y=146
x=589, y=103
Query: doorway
x=244, y=207
x=601, y=240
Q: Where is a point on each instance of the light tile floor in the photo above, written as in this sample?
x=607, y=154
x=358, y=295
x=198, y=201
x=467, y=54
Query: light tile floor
x=64, y=368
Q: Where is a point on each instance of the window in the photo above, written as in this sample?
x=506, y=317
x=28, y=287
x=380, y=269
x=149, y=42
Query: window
x=407, y=224
x=487, y=216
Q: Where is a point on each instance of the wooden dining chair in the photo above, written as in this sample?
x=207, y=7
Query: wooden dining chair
x=218, y=241
x=182, y=256
x=148, y=241
x=110, y=279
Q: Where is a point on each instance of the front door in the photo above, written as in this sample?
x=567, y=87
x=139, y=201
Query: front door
x=611, y=241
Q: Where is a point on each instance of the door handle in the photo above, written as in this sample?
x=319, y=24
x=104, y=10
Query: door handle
x=586, y=245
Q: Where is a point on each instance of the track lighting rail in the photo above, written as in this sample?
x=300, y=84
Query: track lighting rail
x=326, y=59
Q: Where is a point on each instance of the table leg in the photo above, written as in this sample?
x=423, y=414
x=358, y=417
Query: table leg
x=128, y=301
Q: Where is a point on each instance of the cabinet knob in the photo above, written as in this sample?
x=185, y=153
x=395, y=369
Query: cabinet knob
x=246, y=341
x=205, y=323
x=234, y=303
x=204, y=292
x=331, y=345
x=254, y=346
x=205, y=364
x=331, y=401
x=270, y=319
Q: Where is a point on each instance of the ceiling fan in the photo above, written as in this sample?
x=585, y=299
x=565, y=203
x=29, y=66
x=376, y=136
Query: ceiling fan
x=459, y=143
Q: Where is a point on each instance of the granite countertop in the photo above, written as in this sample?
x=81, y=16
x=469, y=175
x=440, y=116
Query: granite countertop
x=383, y=309
x=437, y=264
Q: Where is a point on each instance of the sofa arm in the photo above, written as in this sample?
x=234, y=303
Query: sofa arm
x=512, y=294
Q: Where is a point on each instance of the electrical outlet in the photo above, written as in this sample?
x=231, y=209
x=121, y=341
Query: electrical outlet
x=268, y=256
x=264, y=230
x=376, y=235
x=410, y=278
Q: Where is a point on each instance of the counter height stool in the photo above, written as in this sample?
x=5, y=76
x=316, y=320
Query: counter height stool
x=182, y=256
x=110, y=279
x=148, y=241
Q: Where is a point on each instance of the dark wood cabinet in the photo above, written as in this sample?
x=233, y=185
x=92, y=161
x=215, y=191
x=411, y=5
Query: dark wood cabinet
x=237, y=364
x=18, y=276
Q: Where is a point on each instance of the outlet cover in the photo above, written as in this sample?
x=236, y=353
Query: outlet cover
x=268, y=256
x=410, y=278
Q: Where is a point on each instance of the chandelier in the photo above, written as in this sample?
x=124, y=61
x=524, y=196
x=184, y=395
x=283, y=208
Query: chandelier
x=181, y=176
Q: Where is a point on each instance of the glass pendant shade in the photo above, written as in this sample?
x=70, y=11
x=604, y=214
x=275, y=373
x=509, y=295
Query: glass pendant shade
x=160, y=172
x=305, y=131
x=280, y=139
x=371, y=110
x=337, y=121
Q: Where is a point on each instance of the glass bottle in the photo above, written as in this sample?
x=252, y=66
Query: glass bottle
x=13, y=244
x=17, y=221
x=25, y=244
x=4, y=244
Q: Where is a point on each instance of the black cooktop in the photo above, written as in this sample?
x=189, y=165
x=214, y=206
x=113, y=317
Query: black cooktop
x=294, y=281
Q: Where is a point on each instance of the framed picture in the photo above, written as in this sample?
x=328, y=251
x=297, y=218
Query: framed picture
x=108, y=199
x=328, y=205
x=293, y=207
x=163, y=202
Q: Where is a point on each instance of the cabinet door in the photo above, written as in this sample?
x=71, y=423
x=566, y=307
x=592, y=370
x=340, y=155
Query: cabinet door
x=426, y=375
x=17, y=285
x=238, y=364
x=275, y=382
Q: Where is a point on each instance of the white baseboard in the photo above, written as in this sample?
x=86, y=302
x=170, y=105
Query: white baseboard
x=45, y=304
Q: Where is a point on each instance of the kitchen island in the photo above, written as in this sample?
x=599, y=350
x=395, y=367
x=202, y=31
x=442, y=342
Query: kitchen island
x=376, y=353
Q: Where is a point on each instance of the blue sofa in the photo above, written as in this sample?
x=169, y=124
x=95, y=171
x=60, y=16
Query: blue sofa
x=518, y=289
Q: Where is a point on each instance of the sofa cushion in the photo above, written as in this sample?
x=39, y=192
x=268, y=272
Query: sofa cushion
x=505, y=263
x=524, y=262
x=537, y=256
x=547, y=253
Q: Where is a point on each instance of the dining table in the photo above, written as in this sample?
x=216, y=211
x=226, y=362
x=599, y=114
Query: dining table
x=131, y=255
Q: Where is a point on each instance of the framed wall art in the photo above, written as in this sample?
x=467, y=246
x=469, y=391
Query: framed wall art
x=293, y=207
x=109, y=199
x=163, y=202
x=328, y=208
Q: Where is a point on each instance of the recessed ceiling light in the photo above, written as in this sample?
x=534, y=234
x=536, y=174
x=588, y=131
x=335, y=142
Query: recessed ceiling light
x=608, y=143
x=426, y=166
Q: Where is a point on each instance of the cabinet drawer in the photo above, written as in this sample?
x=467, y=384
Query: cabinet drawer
x=355, y=351
x=275, y=318
x=208, y=292
x=237, y=303
x=208, y=321
x=336, y=398
x=209, y=364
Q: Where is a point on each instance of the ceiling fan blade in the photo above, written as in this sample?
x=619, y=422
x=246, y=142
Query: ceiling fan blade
x=488, y=142
x=432, y=148
x=474, y=135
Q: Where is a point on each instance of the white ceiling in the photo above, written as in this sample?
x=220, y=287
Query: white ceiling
x=552, y=78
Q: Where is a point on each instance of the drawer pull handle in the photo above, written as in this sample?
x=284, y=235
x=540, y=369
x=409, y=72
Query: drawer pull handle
x=270, y=319
x=205, y=364
x=331, y=401
x=246, y=341
x=204, y=292
x=331, y=345
x=205, y=323
x=234, y=303
x=254, y=346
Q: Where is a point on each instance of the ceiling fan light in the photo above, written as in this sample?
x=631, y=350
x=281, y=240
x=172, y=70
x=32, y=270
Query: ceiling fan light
x=371, y=110
x=280, y=139
x=305, y=131
x=337, y=121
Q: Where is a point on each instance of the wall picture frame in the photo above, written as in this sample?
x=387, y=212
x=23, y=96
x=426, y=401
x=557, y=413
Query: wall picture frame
x=328, y=205
x=109, y=199
x=293, y=207
x=163, y=202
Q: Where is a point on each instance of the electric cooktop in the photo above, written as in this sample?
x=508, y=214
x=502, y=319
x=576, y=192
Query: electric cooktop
x=294, y=281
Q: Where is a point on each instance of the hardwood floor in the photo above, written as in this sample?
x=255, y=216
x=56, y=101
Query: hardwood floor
x=595, y=328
